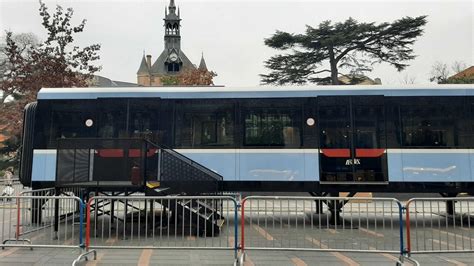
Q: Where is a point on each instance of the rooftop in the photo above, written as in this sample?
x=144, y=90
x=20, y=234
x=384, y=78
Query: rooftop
x=254, y=92
x=468, y=72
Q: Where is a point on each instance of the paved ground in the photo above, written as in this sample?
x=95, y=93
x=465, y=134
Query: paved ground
x=289, y=224
x=23, y=256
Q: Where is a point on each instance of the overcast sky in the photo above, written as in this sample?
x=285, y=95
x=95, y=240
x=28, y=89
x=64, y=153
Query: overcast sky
x=231, y=33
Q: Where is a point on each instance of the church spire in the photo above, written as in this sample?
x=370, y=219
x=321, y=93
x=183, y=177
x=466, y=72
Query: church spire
x=202, y=64
x=172, y=7
x=143, y=69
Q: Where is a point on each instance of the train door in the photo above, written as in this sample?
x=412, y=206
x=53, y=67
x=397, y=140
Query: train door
x=352, y=139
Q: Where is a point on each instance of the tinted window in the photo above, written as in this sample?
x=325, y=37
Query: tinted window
x=392, y=124
x=204, y=123
x=113, y=118
x=466, y=128
x=69, y=120
x=369, y=122
x=43, y=123
x=334, y=122
x=272, y=123
x=144, y=120
x=431, y=121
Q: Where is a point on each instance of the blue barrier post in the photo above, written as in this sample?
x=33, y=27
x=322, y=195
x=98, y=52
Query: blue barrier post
x=236, y=230
x=400, y=218
x=81, y=224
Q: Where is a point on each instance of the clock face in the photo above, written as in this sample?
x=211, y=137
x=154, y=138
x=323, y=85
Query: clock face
x=173, y=57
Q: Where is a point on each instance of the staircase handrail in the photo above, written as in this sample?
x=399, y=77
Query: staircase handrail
x=186, y=159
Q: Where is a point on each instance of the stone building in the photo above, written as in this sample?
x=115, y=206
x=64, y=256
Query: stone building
x=172, y=59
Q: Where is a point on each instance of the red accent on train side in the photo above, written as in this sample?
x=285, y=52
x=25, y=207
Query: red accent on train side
x=113, y=153
x=369, y=153
x=134, y=153
x=337, y=152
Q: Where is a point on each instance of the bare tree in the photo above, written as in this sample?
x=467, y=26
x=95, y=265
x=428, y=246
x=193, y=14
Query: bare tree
x=439, y=72
x=408, y=79
x=458, y=66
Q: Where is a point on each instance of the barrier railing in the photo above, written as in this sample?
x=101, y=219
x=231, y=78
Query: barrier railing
x=198, y=222
x=73, y=191
x=371, y=225
x=10, y=187
x=36, y=205
x=430, y=229
x=39, y=192
x=41, y=221
x=365, y=225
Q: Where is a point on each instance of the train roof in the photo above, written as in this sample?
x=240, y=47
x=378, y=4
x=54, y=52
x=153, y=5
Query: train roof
x=219, y=92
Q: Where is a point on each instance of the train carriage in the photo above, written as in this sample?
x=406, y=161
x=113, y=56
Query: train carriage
x=304, y=139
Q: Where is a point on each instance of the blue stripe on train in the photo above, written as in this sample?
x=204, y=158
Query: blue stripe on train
x=304, y=166
x=431, y=167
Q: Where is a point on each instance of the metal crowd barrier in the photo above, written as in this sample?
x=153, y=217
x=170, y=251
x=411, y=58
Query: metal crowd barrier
x=181, y=222
x=41, y=221
x=11, y=187
x=430, y=229
x=39, y=192
x=364, y=225
x=74, y=191
x=369, y=225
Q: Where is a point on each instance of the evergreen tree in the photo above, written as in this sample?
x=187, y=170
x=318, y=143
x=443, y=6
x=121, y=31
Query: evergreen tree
x=349, y=44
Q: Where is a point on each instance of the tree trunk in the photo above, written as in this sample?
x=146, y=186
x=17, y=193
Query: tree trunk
x=334, y=74
x=333, y=63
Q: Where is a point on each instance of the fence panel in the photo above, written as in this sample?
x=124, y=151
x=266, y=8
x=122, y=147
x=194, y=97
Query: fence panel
x=199, y=222
x=41, y=221
x=430, y=229
x=11, y=187
x=306, y=223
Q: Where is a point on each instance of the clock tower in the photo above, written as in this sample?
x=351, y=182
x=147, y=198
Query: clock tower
x=172, y=38
x=172, y=61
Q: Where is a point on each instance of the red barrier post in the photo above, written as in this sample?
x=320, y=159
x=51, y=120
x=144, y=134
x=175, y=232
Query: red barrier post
x=242, y=225
x=407, y=224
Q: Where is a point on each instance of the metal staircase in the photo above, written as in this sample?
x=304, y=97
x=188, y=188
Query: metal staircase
x=127, y=166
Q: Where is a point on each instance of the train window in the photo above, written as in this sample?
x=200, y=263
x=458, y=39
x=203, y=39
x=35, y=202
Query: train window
x=68, y=120
x=144, y=120
x=112, y=118
x=392, y=124
x=204, y=124
x=466, y=127
x=369, y=122
x=272, y=123
x=334, y=122
x=431, y=121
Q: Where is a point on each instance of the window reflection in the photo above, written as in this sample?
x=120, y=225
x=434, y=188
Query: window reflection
x=272, y=123
x=68, y=121
x=204, y=124
x=144, y=120
x=112, y=118
x=271, y=129
x=334, y=121
x=432, y=122
x=369, y=125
